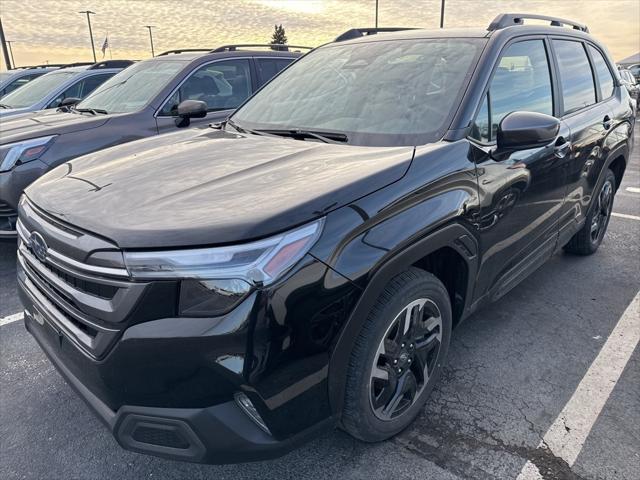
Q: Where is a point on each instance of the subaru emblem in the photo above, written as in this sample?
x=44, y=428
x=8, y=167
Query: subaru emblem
x=38, y=246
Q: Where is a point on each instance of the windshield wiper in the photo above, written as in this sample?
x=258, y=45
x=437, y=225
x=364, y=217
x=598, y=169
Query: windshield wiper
x=241, y=129
x=92, y=111
x=2, y=105
x=326, y=137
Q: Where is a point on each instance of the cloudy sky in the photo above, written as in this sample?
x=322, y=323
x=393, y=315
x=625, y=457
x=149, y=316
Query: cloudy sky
x=54, y=31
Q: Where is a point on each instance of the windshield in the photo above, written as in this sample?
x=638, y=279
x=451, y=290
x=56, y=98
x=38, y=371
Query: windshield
x=133, y=88
x=400, y=92
x=36, y=90
x=5, y=75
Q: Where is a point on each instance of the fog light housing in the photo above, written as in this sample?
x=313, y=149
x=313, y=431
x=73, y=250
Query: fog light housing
x=247, y=407
x=210, y=298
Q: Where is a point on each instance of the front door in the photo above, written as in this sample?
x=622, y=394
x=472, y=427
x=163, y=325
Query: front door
x=521, y=194
x=223, y=85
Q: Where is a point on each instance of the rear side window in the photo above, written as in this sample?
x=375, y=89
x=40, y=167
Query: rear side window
x=81, y=89
x=269, y=67
x=576, y=78
x=521, y=82
x=605, y=79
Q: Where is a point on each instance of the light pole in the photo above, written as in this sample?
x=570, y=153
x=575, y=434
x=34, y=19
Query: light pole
x=93, y=46
x=153, y=54
x=5, y=50
x=9, y=42
x=376, y=13
x=442, y=14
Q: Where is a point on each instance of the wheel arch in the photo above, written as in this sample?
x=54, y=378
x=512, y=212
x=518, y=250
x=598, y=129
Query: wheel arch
x=434, y=253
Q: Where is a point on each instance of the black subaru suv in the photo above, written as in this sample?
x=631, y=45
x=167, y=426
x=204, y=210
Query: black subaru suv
x=175, y=90
x=225, y=297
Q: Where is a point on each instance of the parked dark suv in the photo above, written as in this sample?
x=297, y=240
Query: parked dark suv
x=176, y=89
x=223, y=298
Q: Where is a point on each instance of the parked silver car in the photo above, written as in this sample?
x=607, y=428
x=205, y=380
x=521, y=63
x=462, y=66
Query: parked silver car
x=52, y=89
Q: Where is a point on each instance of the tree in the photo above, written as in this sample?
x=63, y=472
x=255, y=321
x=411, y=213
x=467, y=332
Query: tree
x=279, y=36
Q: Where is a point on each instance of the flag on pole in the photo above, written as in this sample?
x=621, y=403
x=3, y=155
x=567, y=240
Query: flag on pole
x=105, y=45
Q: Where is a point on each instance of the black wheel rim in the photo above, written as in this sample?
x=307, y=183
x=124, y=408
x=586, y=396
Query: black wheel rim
x=600, y=219
x=406, y=358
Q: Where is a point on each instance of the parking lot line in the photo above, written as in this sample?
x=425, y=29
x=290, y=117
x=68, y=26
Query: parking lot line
x=633, y=189
x=11, y=318
x=624, y=215
x=568, y=433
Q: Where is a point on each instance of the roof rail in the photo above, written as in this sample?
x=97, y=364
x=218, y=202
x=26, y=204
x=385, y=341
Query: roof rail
x=509, y=19
x=46, y=65
x=283, y=47
x=183, y=50
x=76, y=64
x=111, y=64
x=361, y=32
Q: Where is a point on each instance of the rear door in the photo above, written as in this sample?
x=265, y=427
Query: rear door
x=521, y=194
x=222, y=84
x=586, y=88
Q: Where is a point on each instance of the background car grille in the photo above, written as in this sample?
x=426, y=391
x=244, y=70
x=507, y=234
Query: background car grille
x=6, y=210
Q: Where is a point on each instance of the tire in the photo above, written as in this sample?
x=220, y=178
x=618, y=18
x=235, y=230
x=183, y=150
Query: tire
x=369, y=413
x=587, y=240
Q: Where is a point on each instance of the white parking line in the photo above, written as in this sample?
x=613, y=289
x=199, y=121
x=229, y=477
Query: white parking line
x=633, y=189
x=568, y=433
x=624, y=215
x=11, y=318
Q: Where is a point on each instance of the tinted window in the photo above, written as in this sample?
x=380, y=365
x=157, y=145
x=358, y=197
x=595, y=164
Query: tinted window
x=221, y=85
x=81, y=89
x=377, y=93
x=578, y=89
x=268, y=67
x=37, y=89
x=134, y=87
x=521, y=82
x=19, y=83
x=605, y=79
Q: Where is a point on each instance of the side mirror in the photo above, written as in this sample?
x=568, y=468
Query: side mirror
x=188, y=109
x=68, y=102
x=523, y=130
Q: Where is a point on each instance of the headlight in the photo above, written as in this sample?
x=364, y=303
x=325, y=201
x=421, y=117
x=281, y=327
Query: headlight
x=24, y=151
x=215, y=280
x=258, y=262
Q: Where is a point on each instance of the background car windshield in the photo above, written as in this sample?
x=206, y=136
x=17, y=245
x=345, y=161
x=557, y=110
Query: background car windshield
x=134, y=87
x=36, y=90
x=377, y=93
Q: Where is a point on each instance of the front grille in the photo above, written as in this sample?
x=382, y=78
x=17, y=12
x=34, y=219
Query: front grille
x=159, y=436
x=6, y=211
x=90, y=304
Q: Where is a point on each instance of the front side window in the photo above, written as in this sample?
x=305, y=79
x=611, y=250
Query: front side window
x=81, y=89
x=134, y=87
x=605, y=79
x=576, y=79
x=37, y=90
x=521, y=82
x=222, y=85
x=398, y=92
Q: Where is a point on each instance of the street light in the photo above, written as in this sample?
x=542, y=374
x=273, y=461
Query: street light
x=9, y=42
x=153, y=54
x=376, y=13
x=93, y=47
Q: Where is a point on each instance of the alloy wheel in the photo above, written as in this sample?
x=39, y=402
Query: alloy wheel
x=406, y=358
x=602, y=212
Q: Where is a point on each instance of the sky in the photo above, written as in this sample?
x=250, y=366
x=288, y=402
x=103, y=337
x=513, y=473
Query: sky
x=54, y=31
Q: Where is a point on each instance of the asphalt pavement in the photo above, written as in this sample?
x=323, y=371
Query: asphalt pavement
x=545, y=383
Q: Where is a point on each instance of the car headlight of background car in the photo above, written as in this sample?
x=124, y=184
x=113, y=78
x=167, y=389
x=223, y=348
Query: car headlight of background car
x=23, y=151
x=214, y=280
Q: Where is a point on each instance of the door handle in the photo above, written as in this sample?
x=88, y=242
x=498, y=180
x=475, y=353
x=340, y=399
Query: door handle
x=562, y=148
x=606, y=122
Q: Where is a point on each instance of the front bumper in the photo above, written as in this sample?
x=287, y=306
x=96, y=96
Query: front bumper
x=218, y=434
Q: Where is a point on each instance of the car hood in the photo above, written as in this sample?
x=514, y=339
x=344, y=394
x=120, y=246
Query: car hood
x=211, y=187
x=46, y=122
